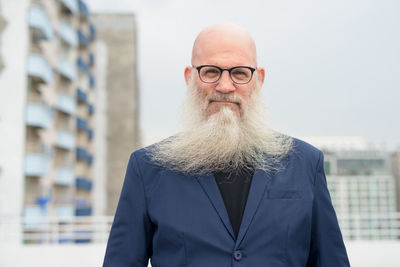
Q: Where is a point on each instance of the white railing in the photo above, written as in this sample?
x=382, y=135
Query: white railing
x=96, y=229
x=50, y=230
x=380, y=226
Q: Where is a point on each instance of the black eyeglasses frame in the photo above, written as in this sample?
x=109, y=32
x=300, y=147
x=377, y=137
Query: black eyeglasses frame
x=222, y=70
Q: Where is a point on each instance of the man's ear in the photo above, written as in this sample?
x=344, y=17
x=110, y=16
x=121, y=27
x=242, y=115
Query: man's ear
x=188, y=72
x=261, y=74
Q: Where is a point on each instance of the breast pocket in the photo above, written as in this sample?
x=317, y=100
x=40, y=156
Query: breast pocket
x=284, y=194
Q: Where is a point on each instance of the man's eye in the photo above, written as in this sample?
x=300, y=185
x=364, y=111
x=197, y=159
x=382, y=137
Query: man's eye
x=239, y=73
x=211, y=71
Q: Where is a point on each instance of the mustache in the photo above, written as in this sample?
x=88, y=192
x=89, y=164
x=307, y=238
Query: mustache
x=224, y=97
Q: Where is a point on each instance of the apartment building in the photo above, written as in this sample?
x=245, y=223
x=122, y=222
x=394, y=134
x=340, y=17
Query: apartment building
x=47, y=111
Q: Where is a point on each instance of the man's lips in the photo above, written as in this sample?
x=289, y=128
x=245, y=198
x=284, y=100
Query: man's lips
x=224, y=102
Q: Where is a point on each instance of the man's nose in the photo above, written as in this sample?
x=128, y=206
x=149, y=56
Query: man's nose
x=225, y=84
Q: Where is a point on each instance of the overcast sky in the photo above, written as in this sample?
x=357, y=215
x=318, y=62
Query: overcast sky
x=333, y=67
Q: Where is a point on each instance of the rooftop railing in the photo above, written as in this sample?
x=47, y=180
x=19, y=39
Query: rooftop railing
x=96, y=229
x=370, y=226
x=55, y=230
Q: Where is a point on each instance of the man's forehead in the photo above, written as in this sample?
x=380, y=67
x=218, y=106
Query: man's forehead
x=224, y=40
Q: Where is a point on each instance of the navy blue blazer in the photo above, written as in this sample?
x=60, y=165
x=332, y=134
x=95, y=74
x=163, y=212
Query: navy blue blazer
x=181, y=221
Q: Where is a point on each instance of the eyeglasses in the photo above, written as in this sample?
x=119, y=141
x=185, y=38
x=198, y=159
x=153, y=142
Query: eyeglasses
x=211, y=73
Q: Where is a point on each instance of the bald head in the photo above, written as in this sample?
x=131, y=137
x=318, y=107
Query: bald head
x=226, y=46
x=224, y=40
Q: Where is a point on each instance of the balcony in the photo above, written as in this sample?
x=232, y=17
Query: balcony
x=40, y=23
x=90, y=134
x=83, y=183
x=81, y=124
x=91, y=59
x=65, y=140
x=81, y=95
x=82, y=65
x=65, y=211
x=81, y=202
x=38, y=115
x=83, y=40
x=67, y=70
x=83, y=236
x=35, y=216
x=89, y=158
x=38, y=67
x=91, y=80
x=83, y=9
x=64, y=177
x=81, y=153
x=86, y=211
x=90, y=109
x=34, y=211
x=71, y=5
x=68, y=34
x=66, y=104
x=36, y=165
x=92, y=30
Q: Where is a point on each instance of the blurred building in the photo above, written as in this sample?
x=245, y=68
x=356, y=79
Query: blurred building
x=47, y=111
x=338, y=143
x=361, y=182
x=396, y=173
x=363, y=193
x=118, y=33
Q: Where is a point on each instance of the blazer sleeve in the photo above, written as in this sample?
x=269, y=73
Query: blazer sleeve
x=327, y=247
x=129, y=243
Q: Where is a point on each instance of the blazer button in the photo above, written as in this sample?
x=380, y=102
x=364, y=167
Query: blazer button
x=237, y=255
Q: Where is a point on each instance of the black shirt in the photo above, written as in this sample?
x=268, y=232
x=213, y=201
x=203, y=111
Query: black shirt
x=234, y=187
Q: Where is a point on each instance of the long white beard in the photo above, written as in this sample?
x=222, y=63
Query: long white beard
x=222, y=141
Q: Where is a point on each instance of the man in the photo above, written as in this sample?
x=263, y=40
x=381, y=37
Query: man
x=227, y=190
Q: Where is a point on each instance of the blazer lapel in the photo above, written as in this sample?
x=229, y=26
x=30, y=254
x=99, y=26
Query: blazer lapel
x=211, y=189
x=258, y=185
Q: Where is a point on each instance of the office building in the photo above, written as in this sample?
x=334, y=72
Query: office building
x=362, y=189
x=396, y=173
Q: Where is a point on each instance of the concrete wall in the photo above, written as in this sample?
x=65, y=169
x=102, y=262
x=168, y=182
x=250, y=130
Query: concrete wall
x=118, y=32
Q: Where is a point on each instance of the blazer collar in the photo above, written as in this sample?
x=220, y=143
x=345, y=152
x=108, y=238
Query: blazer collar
x=258, y=185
